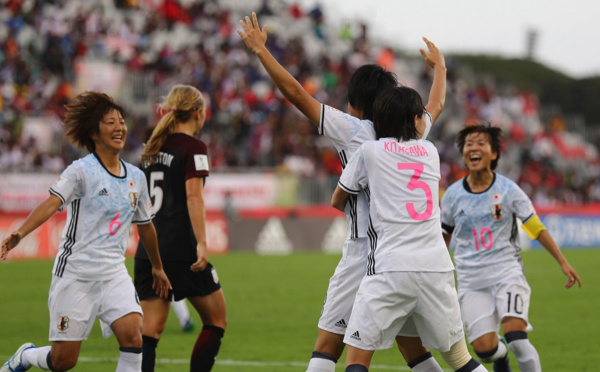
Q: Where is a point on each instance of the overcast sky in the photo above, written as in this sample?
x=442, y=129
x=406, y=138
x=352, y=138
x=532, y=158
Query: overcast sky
x=568, y=30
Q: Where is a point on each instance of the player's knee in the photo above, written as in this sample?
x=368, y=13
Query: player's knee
x=63, y=364
x=131, y=339
x=411, y=348
x=458, y=355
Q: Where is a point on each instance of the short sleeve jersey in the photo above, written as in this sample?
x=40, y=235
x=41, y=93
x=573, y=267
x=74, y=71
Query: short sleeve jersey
x=181, y=157
x=348, y=133
x=100, y=210
x=484, y=230
x=403, y=178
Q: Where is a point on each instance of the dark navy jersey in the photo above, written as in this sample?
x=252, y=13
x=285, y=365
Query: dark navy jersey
x=181, y=157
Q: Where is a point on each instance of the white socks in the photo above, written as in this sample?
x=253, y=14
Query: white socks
x=527, y=356
x=36, y=357
x=321, y=365
x=129, y=362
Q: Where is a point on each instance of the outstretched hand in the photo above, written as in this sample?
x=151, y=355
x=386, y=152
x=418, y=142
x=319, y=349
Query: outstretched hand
x=433, y=57
x=571, y=274
x=253, y=36
x=9, y=243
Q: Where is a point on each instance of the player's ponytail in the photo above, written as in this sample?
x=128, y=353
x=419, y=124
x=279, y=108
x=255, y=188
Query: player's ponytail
x=179, y=104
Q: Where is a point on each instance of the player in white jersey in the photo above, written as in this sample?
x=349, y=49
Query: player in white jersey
x=104, y=196
x=347, y=133
x=409, y=272
x=480, y=211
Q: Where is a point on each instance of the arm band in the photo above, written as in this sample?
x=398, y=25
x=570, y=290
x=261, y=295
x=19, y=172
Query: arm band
x=534, y=227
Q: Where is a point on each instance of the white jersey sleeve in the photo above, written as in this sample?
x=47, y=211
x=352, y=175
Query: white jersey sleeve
x=339, y=127
x=70, y=186
x=428, y=124
x=354, y=178
x=144, y=212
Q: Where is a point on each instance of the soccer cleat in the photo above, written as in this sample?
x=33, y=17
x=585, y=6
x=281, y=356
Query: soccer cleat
x=15, y=363
x=187, y=327
x=501, y=364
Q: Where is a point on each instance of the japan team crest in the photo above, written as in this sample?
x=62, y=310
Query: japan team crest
x=497, y=208
x=497, y=211
x=133, y=198
x=63, y=323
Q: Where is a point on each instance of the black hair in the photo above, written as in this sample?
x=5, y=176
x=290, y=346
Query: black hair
x=83, y=115
x=365, y=84
x=494, y=136
x=394, y=113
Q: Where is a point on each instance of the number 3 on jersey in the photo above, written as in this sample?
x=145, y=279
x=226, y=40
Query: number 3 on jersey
x=155, y=191
x=413, y=184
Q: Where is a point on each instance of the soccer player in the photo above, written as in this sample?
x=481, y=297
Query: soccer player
x=480, y=211
x=409, y=272
x=176, y=167
x=347, y=133
x=103, y=196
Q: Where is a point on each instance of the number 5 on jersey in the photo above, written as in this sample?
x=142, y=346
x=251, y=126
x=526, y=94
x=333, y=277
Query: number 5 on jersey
x=155, y=191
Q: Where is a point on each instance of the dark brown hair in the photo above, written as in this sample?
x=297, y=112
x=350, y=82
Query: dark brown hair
x=494, y=135
x=83, y=115
x=394, y=113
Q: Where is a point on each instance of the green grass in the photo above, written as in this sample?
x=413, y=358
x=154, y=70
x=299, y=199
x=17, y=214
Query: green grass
x=274, y=303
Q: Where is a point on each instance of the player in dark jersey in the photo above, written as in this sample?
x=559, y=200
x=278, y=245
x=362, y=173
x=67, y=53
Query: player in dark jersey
x=176, y=167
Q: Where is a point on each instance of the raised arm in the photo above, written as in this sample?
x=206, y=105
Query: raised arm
x=547, y=242
x=437, y=94
x=255, y=40
x=37, y=217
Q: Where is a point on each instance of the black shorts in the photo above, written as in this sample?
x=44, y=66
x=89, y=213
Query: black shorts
x=185, y=282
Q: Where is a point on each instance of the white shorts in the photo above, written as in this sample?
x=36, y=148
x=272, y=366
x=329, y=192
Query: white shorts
x=482, y=310
x=386, y=303
x=343, y=286
x=75, y=304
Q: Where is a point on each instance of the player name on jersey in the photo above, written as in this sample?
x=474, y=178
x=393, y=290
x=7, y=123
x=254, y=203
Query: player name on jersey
x=161, y=158
x=416, y=150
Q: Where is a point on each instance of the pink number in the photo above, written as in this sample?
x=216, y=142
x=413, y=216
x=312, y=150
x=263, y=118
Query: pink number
x=485, y=230
x=413, y=184
x=476, y=241
x=115, y=222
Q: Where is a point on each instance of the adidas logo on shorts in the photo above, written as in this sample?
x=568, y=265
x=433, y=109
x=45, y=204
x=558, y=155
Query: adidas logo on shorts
x=103, y=192
x=355, y=336
x=341, y=323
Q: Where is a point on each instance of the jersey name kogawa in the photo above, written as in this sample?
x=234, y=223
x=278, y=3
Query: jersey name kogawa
x=403, y=179
x=348, y=133
x=100, y=210
x=484, y=230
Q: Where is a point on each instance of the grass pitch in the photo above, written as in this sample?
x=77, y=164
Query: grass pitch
x=274, y=303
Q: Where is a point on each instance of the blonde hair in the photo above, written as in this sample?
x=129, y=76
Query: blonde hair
x=180, y=104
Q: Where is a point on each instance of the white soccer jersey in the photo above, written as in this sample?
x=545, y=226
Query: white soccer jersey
x=403, y=179
x=100, y=210
x=484, y=230
x=348, y=133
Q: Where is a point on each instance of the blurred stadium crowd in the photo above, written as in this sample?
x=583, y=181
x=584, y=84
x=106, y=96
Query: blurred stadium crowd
x=136, y=50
